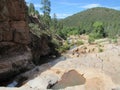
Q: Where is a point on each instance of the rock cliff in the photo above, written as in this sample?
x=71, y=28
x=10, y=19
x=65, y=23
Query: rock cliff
x=15, y=56
x=18, y=46
x=13, y=26
x=42, y=46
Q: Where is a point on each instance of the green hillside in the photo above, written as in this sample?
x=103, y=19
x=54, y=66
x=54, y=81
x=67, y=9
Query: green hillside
x=85, y=20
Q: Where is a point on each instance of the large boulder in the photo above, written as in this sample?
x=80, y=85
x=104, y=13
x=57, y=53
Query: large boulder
x=13, y=61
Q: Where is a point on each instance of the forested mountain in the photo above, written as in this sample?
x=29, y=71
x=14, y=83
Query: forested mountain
x=84, y=20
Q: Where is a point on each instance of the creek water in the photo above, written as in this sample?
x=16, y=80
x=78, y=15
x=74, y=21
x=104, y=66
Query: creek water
x=71, y=78
x=13, y=84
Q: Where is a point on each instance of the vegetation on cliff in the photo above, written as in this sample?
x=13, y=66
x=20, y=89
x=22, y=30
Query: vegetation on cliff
x=44, y=41
x=96, y=22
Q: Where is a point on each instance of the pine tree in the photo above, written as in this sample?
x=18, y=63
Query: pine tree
x=46, y=12
x=55, y=22
x=31, y=9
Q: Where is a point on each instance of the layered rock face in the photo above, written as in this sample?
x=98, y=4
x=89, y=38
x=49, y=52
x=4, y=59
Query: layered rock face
x=18, y=47
x=15, y=56
x=13, y=26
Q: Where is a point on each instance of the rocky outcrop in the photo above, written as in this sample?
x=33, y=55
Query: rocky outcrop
x=13, y=26
x=98, y=71
x=92, y=71
x=86, y=49
x=41, y=42
x=42, y=48
x=19, y=46
x=15, y=56
x=40, y=45
x=15, y=63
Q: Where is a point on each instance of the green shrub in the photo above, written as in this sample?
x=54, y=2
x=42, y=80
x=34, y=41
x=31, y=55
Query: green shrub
x=110, y=41
x=67, y=31
x=64, y=47
x=100, y=50
x=91, y=40
x=115, y=40
x=56, y=43
x=34, y=28
x=79, y=42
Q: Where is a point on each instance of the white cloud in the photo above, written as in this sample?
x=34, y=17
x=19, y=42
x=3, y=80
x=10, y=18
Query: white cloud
x=37, y=5
x=91, y=6
x=70, y=4
x=60, y=15
x=117, y=8
x=28, y=0
x=98, y=5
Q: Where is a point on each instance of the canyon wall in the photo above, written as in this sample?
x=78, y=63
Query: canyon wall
x=13, y=25
x=19, y=47
x=15, y=55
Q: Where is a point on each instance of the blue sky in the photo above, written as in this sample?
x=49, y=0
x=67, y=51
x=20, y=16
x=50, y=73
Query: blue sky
x=64, y=8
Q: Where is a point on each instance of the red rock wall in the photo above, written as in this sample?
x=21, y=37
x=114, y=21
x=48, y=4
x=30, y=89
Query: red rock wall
x=13, y=26
x=15, y=55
